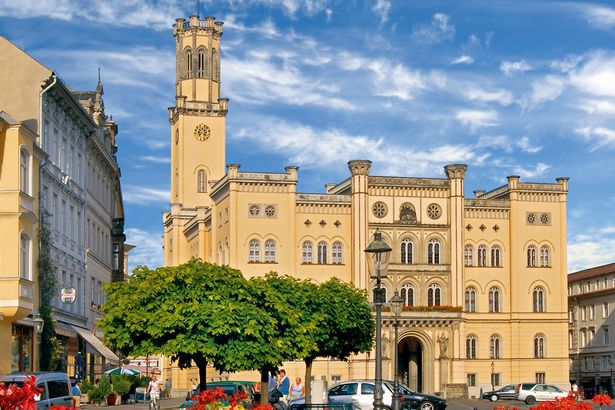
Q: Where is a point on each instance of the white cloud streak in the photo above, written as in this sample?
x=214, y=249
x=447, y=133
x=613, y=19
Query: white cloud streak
x=599, y=137
x=600, y=17
x=463, y=59
x=476, y=119
x=592, y=248
x=437, y=31
x=140, y=195
x=148, y=249
x=511, y=68
x=382, y=8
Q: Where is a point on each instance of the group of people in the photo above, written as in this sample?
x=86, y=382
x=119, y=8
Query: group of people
x=281, y=390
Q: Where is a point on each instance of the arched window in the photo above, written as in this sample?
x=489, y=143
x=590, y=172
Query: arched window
x=531, y=255
x=495, y=346
x=255, y=250
x=201, y=55
x=227, y=252
x=482, y=255
x=336, y=252
x=201, y=181
x=322, y=252
x=188, y=57
x=468, y=253
x=216, y=65
x=220, y=254
x=407, y=248
x=269, y=250
x=471, y=347
x=306, y=252
x=25, y=265
x=434, y=295
x=470, y=299
x=539, y=346
x=494, y=300
x=496, y=256
x=433, y=252
x=24, y=171
x=538, y=297
x=407, y=294
x=545, y=256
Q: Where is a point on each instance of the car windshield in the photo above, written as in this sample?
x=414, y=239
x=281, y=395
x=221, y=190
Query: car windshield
x=402, y=389
x=18, y=383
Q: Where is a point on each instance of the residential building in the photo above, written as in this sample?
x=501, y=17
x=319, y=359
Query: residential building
x=591, y=299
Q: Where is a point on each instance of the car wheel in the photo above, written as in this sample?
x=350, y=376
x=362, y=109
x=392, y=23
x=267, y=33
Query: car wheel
x=426, y=406
x=494, y=397
x=530, y=399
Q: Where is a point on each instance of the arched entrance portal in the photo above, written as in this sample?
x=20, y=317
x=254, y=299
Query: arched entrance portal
x=411, y=361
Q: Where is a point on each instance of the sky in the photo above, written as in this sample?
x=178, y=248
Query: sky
x=507, y=87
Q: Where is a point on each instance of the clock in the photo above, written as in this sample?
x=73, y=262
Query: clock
x=202, y=132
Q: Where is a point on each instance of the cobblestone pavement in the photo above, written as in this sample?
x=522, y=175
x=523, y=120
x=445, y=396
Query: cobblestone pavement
x=172, y=403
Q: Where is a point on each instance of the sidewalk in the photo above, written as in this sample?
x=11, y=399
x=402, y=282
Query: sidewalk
x=172, y=403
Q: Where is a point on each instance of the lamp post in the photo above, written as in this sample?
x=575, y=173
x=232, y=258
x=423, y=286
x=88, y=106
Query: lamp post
x=378, y=253
x=39, y=323
x=396, y=303
x=492, y=378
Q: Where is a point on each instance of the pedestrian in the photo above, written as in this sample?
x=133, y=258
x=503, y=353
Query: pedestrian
x=297, y=395
x=575, y=391
x=152, y=388
x=273, y=381
x=167, y=388
x=76, y=391
x=284, y=386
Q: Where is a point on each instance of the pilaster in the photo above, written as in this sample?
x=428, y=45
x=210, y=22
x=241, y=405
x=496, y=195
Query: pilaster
x=359, y=170
x=456, y=174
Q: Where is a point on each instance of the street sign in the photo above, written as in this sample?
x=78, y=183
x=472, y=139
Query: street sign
x=68, y=295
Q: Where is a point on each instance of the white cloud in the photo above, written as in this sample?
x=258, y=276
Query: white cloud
x=600, y=17
x=463, y=59
x=547, y=89
x=437, y=31
x=599, y=137
x=148, y=249
x=591, y=106
x=155, y=160
x=567, y=64
x=477, y=119
x=382, y=8
x=537, y=171
x=510, y=68
x=508, y=144
x=473, y=93
x=140, y=195
x=597, y=75
x=591, y=248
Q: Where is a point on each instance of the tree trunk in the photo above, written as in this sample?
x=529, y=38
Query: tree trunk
x=308, y=379
x=201, y=363
x=264, y=386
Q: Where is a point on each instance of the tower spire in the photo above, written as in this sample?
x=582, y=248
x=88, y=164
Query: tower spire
x=98, y=74
x=198, y=6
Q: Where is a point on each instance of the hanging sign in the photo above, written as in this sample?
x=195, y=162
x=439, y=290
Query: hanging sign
x=68, y=295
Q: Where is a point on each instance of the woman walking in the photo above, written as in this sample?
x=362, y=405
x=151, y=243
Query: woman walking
x=297, y=395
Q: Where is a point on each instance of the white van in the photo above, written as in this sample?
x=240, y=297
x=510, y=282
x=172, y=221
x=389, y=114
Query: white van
x=56, y=388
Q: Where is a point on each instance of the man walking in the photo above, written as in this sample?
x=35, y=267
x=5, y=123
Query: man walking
x=167, y=388
x=284, y=386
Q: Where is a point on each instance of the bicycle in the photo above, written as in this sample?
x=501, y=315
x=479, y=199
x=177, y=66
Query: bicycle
x=154, y=403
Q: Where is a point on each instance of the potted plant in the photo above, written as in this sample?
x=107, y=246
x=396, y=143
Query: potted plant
x=121, y=386
x=96, y=395
x=86, y=387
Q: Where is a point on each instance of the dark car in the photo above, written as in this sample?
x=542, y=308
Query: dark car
x=55, y=387
x=415, y=400
x=229, y=388
x=508, y=392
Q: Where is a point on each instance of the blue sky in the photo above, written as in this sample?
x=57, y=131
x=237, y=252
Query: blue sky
x=508, y=87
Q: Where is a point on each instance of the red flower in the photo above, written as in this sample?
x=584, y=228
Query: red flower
x=19, y=398
x=602, y=400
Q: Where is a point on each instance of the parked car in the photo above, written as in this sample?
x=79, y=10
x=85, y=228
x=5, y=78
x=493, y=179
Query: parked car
x=229, y=388
x=533, y=392
x=508, y=392
x=361, y=394
x=56, y=387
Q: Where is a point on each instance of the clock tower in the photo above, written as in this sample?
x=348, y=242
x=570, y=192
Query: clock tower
x=198, y=119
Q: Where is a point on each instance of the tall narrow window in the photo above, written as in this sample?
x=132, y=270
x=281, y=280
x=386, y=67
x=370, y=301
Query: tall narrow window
x=201, y=54
x=531, y=256
x=545, y=258
x=482, y=255
x=496, y=256
x=538, y=297
x=495, y=343
x=24, y=171
x=322, y=252
x=434, y=295
x=306, y=252
x=494, y=300
x=433, y=252
x=539, y=346
x=407, y=248
x=468, y=252
x=470, y=299
x=201, y=181
x=254, y=250
x=24, y=270
x=407, y=294
x=336, y=254
x=471, y=347
x=269, y=250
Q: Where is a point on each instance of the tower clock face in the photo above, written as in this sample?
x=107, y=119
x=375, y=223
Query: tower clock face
x=202, y=132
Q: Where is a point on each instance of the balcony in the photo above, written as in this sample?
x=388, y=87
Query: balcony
x=16, y=297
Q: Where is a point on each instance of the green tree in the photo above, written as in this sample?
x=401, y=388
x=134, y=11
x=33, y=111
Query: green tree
x=345, y=324
x=47, y=289
x=195, y=313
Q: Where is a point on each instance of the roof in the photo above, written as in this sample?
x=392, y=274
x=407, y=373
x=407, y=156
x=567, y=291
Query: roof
x=592, y=272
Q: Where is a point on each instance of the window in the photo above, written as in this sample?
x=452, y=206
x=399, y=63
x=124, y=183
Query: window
x=470, y=299
x=539, y=346
x=570, y=339
x=255, y=251
x=538, y=297
x=336, y=254
x=269, y=250
x=605, y=310
x=605, y=336
x=592, y=312
x=188, y=52
x=254, y=210
x=367, y=388
x=434, y=211
x=322, y=252
x=494, y=300
x=496, y=259
x=270, y=211
x=471, y=347
x=471, y=379
x=495, y=345
x=583, y=314
x=545, y=259
x=57, y=388
x=24, y=270
x=306, y=252
x=434, y=295
x=482, y=255
x=24, y=171
x=201, y=55
x=407, y=294
x=201, y=181
x=531, y=256
x=433, y=252
x=468, y=251
x=407, y=247
x=379, y=209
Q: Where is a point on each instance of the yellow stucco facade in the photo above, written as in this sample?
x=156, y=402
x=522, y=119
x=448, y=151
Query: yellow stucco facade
x=19, y=223
x=483, y=278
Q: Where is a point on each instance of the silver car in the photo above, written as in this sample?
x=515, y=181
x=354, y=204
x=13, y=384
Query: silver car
x=533, y=392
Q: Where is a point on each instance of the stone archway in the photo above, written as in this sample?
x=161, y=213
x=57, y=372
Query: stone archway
x=416, y=362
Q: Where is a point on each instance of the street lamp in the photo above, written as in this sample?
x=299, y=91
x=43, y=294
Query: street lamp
x=378, y=253
x=39, y=323
x=492, y=378
x=396, y=303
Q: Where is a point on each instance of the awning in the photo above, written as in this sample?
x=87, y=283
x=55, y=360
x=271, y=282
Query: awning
x=97, y=344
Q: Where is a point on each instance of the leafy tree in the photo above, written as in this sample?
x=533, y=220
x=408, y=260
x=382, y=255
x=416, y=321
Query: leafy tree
x=195, y=313
x=345, y=324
